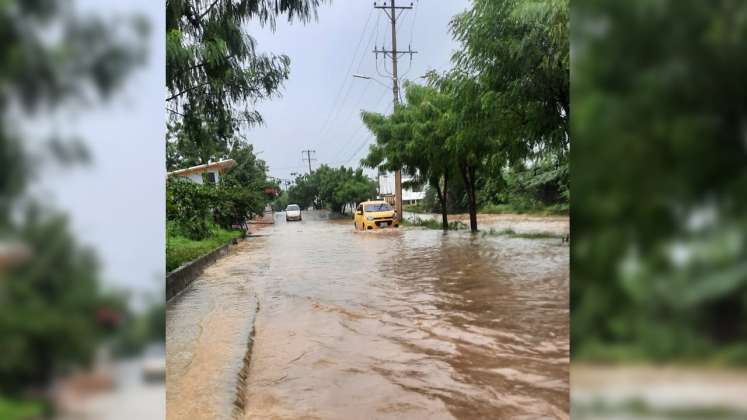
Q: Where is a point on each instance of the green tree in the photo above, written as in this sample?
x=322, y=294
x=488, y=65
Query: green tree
x=332, y=188
x=414, y=138
x=249, y=172
x=474, y=138
x=347, y=187
x=281, y=201
x=48, y=307
x=214, y=73
x=518, y=51
x=510, y=87
x=659, y=174
x=49, y=303
x=303, y=192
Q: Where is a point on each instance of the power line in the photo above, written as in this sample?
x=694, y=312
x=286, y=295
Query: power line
x=350, y=68
x=339, y=106
x=365, y=142
x=355, y=133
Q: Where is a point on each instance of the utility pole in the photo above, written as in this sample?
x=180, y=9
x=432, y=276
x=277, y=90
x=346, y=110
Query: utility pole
x=391, y=11
x=308, y=158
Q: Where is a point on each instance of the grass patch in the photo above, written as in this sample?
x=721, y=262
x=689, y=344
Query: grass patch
x=552, y=210
x=433, y=224
x=180, y=249
x=636, y=408
x=701, y=354
x=416, y=208
x=20, y=410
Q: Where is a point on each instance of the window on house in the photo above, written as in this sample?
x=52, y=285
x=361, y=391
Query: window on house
x=210, y=177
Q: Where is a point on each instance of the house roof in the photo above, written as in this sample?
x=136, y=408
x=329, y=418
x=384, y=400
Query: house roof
x=207, y=167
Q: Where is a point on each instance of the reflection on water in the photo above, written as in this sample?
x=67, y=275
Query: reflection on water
x=406, y=323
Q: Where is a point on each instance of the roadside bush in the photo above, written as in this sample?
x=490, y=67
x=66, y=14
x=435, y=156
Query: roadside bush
x=188, y=205
x=194, y=208
x=234, y=205
x=280, y=202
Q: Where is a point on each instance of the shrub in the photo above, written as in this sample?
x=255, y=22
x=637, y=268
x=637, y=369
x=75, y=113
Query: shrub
x=188, y=205
x=195, y=207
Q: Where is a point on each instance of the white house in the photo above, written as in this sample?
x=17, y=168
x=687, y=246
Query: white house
x=214, y=171
x=409, y=196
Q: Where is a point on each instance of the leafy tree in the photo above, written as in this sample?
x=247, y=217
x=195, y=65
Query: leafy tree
x=518, y=51
x=303, y=192
x=49, y=304
x=474, y=135
x=350, y=186
x=659, y=174
x=332, y=188
x=214, y=74
x=48, y=307
x=414, y=138
x=249, y=172
x=280, y=202
x=510, y=86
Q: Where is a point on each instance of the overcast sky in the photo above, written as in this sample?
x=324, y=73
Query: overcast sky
x=321, y=102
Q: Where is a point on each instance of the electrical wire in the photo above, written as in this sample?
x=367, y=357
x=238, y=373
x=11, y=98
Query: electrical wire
x=366, y=140
x=339, y=109
x=350, y=67
x=355, y=133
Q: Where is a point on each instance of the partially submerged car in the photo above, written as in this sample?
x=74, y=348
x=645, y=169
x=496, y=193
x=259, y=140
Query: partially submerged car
x=371, y=215
x=292, y=212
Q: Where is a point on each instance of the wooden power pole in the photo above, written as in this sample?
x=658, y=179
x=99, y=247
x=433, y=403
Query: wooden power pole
x=392, y=11
x=306, y=155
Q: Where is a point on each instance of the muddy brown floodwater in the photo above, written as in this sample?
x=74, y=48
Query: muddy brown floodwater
x=398, y=324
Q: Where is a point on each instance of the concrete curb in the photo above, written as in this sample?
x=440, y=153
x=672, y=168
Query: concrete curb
x=239, y=403
x=178, y=279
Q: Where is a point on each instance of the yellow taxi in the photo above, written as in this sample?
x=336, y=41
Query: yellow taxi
x=375, y=215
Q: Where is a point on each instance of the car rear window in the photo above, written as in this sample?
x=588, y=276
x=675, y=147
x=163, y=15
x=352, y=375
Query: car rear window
x=378, y=207
x=292, y=207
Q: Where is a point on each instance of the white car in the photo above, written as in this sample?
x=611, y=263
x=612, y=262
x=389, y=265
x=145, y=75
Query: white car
x=292, y=212
x=154, y=363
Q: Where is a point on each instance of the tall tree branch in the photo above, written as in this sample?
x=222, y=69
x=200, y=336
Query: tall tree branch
x=191, y=88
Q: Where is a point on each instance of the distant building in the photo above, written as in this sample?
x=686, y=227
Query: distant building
x=213, y=171
x=386, y=189
x=271, y=191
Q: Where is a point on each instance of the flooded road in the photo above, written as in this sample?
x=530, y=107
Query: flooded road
x=408, y=323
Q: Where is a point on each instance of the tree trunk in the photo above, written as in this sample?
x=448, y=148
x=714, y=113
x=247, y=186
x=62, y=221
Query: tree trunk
x=468, y=175
x=472, y=212
x=442, y=201
x=473, y=201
